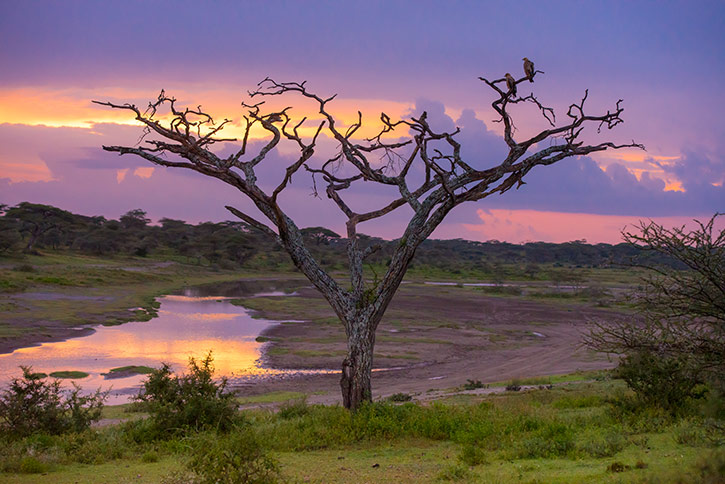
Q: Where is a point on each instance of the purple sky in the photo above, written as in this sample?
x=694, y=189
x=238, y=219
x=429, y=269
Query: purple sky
x=664, y=59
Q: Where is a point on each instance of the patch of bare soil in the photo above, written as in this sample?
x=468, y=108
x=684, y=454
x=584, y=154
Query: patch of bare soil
x=45, y=332
x=431, y=338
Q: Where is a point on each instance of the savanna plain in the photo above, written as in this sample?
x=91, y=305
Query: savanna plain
x=486, y=383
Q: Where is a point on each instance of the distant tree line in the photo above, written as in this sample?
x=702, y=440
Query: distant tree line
x=28, y=227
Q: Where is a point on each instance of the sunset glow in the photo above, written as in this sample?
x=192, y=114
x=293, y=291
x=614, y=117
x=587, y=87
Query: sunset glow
x=51, y=133
x=520, y=226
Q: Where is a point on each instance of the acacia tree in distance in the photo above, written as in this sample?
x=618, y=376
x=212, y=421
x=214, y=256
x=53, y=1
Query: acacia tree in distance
x=424, y=167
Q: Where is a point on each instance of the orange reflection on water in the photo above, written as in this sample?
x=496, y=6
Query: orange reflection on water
x=176, y=297
x=203, y=316
x=186, y=327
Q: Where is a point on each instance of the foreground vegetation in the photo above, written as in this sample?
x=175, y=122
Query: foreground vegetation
x=189, y=429
x=580, y=432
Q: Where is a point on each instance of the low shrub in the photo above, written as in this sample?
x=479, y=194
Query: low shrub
x=150, y=456
x=550, y=440
x=514, y=386
x=293, y=409
x=400, y=397
x=617, y=466
x=663, y=381
x=191, y=401
x=473, y=385
x=32, y=465
x=605, y=445
x=33, y=404
x=472, y=455
x=698, y=432
x=637, y=416
x=238, y=457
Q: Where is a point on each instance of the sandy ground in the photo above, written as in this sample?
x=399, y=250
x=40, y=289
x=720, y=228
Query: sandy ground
x=433, y=338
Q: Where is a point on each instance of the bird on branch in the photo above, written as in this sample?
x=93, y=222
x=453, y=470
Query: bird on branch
x=529, y=69
x=510, y=83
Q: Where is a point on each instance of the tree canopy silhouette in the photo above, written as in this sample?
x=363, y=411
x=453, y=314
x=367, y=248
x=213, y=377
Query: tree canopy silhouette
x=423, y=166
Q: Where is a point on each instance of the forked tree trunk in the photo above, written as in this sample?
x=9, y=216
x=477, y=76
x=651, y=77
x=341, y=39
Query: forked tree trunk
x=355, y=382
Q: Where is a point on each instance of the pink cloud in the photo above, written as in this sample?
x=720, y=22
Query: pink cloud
x=530, y=225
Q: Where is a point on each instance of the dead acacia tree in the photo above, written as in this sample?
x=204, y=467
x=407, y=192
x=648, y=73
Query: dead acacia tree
x=430, y=177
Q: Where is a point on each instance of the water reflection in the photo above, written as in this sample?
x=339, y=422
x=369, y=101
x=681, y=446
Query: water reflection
x=245, y=288
x=189, y=324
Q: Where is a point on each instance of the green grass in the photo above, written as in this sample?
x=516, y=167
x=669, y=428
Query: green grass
x=123, y=471
x=578, y=376
x=568, y=434
x=272, y=397
x=126, y=411
x=69, y=374
x=132, y=370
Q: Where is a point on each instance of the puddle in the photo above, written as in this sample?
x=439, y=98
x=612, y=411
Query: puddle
x=189, y=324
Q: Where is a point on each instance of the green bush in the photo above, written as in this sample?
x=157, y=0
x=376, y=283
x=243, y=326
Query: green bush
x=293, y=409
x=32, y=465
x=662, y=381
x=472, y=455
x=698, y=432
x=32, y=404
x=150, y=456
x=91, y=447
x=191, y=401
x=400, y=397
x=605, y=445
x=235, y=458
x=550, y=440
x=629, y=410
x=513, y=386
x=473, y=385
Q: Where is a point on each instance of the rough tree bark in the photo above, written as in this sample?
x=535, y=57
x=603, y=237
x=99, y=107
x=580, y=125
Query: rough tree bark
x=424, y=166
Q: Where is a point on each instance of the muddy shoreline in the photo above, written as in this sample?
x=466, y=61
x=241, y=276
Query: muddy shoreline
x=433, y=337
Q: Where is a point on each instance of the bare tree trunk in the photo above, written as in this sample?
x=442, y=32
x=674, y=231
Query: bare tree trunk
x=357, y=368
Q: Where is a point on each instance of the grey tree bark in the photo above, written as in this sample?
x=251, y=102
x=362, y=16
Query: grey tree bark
x=424, y=166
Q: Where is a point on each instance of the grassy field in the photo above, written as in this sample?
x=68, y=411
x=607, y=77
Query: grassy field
x=575, y=428
x=572, y=433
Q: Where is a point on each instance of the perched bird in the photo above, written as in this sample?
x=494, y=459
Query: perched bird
x=528, y=69
x=511, y=83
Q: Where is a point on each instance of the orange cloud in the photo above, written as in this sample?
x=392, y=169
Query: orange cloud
x=73, y=108
x=638, y=155
x=674, y=186
x=121, y=175
x=144, y=171
x=31, y=170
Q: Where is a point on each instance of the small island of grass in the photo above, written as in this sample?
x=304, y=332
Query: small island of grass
x=69, y=374
x=126, y=371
